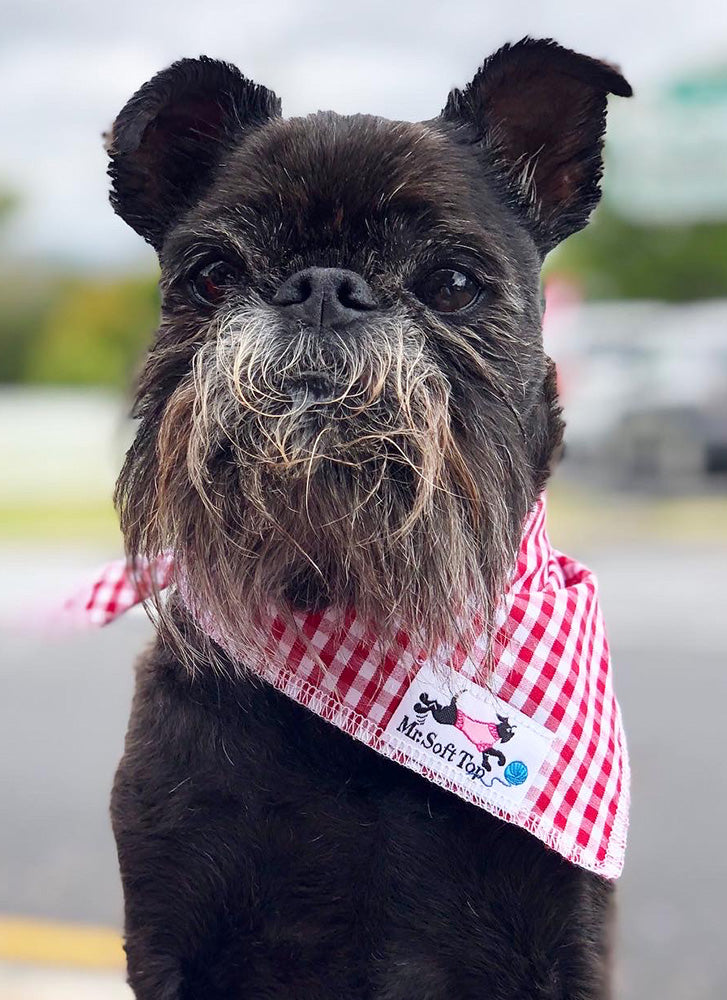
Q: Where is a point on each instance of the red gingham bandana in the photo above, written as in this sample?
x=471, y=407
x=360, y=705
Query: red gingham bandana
x=535, y=739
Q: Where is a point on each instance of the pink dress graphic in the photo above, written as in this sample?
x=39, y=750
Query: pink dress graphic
x=483, y=734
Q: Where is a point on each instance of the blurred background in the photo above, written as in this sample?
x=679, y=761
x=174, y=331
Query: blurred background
x=636, y=319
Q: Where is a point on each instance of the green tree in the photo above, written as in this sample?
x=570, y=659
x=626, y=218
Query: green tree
x=95, y=332
x=617, y=259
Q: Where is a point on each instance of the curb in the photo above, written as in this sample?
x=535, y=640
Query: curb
x=45, y=942
x=24, y=982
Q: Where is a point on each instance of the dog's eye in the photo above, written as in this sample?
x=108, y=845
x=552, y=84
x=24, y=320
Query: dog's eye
x=212, y=281
x=447, y=290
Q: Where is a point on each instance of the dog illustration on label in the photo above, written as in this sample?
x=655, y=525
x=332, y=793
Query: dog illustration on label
x=484, y=735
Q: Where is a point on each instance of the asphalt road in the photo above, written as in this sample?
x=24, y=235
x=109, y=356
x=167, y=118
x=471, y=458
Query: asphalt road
x=64, y=706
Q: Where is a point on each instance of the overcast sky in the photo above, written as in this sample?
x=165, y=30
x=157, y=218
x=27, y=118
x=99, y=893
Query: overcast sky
x=68, y=66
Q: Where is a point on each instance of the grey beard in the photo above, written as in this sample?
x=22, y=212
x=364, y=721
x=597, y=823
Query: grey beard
x=323, y=470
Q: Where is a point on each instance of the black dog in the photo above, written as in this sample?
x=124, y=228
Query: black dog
x=347, y=403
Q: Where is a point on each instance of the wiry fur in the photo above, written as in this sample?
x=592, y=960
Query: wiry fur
x=352, y=490
x=387, y=465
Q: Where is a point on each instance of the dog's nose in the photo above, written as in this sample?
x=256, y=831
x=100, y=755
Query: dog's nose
x=325, y=296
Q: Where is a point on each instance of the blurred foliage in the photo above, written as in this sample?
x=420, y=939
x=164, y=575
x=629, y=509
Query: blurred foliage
x=23, y=306
x=95, y=332
x=614, y=258
x=75, y=330
x=8, y=203
x=71, y=328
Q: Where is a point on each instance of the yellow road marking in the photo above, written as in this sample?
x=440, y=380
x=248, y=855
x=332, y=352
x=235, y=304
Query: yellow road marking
x=53, y=943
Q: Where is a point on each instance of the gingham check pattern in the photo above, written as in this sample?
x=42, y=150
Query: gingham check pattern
x=551, y=662
x=113, y=591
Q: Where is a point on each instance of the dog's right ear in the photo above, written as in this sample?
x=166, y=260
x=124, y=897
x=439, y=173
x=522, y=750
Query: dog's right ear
x=167, y=142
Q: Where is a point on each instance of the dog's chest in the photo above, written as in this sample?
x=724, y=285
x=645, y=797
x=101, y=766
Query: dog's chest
x=342, y=867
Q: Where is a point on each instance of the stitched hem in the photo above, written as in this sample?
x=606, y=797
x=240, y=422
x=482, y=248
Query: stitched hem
x=344, y=717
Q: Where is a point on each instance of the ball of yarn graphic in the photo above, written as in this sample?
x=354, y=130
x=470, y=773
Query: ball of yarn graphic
x=516, y=772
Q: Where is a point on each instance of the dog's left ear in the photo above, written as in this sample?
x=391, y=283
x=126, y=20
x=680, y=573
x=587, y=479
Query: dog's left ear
x=167, y=143
x=539, y=112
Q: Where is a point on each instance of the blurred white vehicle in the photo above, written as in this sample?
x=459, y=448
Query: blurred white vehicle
x=644, y=388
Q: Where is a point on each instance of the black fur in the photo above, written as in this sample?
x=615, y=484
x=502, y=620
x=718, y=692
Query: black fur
x=169, y=139
x=539, y=113
x=264, y=854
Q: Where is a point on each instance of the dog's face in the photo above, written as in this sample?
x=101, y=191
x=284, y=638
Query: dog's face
x=348, y=401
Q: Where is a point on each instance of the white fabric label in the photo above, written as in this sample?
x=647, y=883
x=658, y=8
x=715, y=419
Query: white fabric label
x=468, y=736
